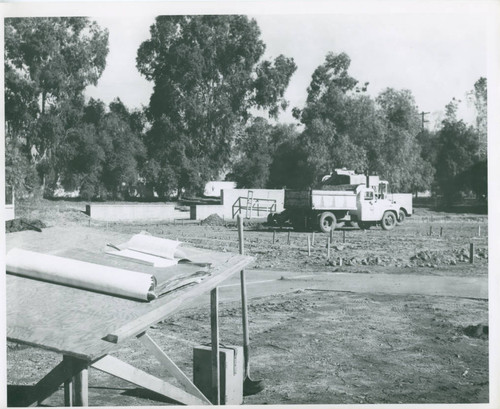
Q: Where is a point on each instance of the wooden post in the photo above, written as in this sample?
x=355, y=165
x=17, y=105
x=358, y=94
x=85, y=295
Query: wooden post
x=244, y=308
x=331, y=235
x=274, y=236
x=343, y=236
x=441, y=232
x=471, y=253
x=288, y=238
x=478, y=231
x=430, y=230
x=312, y=240
x=214, y=326
x=308, y=245
x=340, y=261
x=328, y=247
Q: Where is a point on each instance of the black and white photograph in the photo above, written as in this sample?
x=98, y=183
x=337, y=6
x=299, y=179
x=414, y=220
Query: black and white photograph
x=250, y=203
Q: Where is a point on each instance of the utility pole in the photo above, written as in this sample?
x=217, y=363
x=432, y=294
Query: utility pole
x=423, y=119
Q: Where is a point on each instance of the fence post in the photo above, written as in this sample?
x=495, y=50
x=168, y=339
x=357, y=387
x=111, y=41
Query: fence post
x=331, y=235
x=274, y=236
x=441, y=232
x=308, y=245
x=471, y=253
x=312, y=238
x=343, y=236
x=328, y=248
x=288, y=238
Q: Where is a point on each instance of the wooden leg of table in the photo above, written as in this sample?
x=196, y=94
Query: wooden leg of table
x=76, y=388
x=214, y=324
x=68, y=386
x=61, y=374
x=81, y=388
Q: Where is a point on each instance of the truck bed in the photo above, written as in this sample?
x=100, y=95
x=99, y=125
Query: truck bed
x=320, y=199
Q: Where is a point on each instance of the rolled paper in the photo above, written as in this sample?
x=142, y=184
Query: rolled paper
x=81, y=274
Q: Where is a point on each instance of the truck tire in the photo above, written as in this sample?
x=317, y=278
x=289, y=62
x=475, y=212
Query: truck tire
x=364, y=225
x=402, y=217
x=327, y=222
x=389, y=220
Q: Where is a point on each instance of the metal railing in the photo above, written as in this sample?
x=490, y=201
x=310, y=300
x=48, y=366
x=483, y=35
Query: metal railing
x=252, y=205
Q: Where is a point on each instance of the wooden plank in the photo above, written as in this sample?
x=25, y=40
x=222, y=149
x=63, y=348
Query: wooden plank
x=171, y=367
x=220, y=273
x=214, y=327
x=122, y=370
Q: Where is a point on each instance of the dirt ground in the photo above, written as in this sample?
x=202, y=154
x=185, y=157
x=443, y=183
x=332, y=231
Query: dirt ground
x=318, y=347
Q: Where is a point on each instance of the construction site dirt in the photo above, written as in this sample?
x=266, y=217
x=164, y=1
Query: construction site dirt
x=388, y=317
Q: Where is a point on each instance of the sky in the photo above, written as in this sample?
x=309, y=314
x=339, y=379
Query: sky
x=437, y=56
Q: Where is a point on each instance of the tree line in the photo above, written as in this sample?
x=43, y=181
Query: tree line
x=210, y=80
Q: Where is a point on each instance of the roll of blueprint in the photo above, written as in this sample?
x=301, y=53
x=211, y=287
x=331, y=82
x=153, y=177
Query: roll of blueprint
x=81, y=274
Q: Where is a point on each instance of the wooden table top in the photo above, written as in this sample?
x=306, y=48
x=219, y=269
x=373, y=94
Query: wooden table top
x=82, y=323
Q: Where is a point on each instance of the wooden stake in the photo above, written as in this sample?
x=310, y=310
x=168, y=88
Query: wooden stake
x=308, y=245
x=214, y=325
x=312, y=240
x=328, y=247
x=340, y=261
x=471, y=253
x=288, y=238
x=343, y=236
x=441, y=232
x=478, y=231
x=244, y=308
x=274, y=236
x=331, y=235
x=430, y=230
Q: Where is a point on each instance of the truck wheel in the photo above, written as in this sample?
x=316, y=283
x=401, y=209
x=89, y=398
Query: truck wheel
x=389, y=220
x=364, y=226
x=327, y=222
x=270, y=219
x=402, y=217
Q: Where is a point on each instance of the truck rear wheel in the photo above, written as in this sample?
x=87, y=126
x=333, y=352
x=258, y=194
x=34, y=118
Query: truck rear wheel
x=389, y=220
x=327, y=222
x=402, y=217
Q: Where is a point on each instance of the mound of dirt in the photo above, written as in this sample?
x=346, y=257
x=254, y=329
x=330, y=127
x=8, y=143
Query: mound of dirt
x=476, y=331
x=21, y=224
x=213, y=220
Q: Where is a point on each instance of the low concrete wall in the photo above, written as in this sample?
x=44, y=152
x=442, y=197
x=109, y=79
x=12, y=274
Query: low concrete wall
x=230, y=198
x=132, y=211
x=9, y=212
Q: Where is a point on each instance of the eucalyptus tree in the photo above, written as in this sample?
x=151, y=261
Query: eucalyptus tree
x=208, y=74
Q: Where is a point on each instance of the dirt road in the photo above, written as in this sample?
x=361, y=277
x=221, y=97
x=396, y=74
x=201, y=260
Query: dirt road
x=266, y=283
